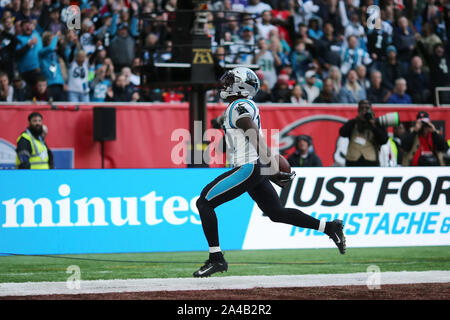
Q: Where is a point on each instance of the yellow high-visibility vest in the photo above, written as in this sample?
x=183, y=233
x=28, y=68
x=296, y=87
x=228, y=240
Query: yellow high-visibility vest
x=39, y=152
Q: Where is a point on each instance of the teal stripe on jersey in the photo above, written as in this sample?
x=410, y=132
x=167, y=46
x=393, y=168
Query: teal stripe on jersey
x=231, y=181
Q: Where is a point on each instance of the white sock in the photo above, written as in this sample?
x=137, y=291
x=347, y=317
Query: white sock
x=322, y=225
x=214, y=249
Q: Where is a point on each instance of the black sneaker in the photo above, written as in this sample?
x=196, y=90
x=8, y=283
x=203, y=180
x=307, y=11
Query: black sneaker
x=336, y=234
x=211, y=267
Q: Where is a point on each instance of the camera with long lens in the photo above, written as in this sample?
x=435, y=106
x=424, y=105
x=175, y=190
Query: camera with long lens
x=390, y=119
x=217, y=123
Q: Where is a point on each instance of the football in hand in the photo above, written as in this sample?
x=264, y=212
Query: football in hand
x=283, y=164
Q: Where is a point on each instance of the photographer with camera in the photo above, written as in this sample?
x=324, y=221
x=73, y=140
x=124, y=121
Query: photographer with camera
x=423, y=144
x=366, y=134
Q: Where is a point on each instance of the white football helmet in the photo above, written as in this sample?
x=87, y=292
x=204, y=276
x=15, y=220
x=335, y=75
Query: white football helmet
x=239, y=81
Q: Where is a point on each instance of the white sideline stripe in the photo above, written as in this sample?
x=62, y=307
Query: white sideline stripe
x=216, y=283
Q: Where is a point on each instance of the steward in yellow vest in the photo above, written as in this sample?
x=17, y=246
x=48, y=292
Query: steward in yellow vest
x=32, y=152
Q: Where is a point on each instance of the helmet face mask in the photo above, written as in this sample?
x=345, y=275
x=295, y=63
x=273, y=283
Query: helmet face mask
x=239, y=82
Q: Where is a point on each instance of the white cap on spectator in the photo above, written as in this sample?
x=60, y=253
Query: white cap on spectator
x=310, y=74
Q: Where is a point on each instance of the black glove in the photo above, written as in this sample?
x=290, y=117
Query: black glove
x=282, y=179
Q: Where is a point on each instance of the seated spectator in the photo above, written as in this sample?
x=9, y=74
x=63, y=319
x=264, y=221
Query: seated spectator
x=135, y=97
x=87, y=38
x=22, y=91
x=300, y=58
x=328, y=94
x=314, y=30
x=377, y=93
x=121, y=50
x=427, y=40
x=423, y=145
x=400, y=96
x=100, y=85
x=297, y=95
x=361, y=71
x=40, y=92
x=404, y=41
x=6, y=89
x=312, y=91
x=78, y=86
x=336, y=78
x=266, y=26
x=126, y=71
x=281, y=92
x=268, y=61
x=29, y=44
x=71, y=46
x=377, y=42
x=25, y=12
x=439, y=65
x=119, y=92
x=55, y=24
x=353, y=27
x=257, y=7
x=109, y=71
x=391, y=69
x=50, y=67
x=303, y=36
x=244, y=49
x=281, y=49
x=329, y=48
x=135, y=77
x=8, y=45
x=304, y=155
x=352, y=92
x=353, y=56
x=418, y=82
x=264, y=94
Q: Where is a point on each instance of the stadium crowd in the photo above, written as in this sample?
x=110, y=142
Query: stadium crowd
x=309, y=51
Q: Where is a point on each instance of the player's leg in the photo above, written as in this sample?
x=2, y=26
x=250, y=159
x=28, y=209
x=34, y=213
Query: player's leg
x=224, y=188
x=268, y=201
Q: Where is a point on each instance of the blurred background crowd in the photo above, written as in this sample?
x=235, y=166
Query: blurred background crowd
x=308, y=51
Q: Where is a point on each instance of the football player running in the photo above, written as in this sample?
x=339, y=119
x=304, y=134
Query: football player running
x=254, y=166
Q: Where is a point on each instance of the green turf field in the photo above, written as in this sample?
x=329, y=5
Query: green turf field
x=249, y=262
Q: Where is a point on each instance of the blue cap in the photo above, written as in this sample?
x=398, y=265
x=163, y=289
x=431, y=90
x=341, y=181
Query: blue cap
x=391, y=48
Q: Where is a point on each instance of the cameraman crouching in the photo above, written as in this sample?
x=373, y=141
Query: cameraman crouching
x=423, y=145
x=365, y=135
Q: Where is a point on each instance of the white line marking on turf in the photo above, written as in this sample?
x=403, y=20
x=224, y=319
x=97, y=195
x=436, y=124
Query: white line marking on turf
x=217, y=283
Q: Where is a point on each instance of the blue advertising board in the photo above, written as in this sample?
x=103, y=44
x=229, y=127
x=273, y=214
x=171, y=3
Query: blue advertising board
x=151, y=210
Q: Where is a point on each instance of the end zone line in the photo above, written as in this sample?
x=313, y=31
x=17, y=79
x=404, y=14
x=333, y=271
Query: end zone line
x=221, y=283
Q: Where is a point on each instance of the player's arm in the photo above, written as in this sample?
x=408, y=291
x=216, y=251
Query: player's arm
x=255, y=138
x=264, y=152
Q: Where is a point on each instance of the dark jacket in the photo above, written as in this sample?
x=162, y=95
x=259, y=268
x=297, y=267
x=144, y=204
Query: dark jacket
x=311, y=160
x=403, y=43
x=7, y=49
x=375, y=95
x=322, y=98
x=391, y=72
x=418, y=87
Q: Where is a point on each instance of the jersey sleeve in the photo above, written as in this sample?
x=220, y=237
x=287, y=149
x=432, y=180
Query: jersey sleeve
x=241, y=109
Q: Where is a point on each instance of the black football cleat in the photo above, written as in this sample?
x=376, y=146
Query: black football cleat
x=336, y=234
x=210, y=268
